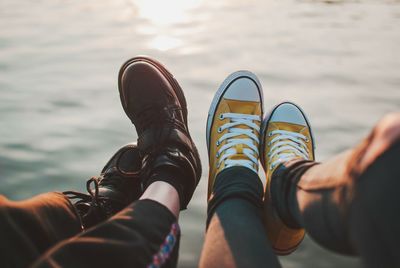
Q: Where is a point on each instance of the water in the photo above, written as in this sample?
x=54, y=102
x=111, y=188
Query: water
x=60, y=113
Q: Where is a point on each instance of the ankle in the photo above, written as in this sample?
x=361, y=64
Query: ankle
x=283, y=190
x=165, y=194
x=235, y=183
x=174, y=166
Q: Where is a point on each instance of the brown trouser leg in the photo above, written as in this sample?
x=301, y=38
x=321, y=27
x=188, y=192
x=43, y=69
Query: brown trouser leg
x=351, y=204
x=45, y=231
x=29, y=228
x=144, y=234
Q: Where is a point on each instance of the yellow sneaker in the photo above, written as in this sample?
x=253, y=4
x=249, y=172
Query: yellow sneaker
x=286, y=135
x=233, y=125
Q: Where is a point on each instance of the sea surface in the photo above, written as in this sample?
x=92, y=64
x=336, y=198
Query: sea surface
x=60, y=113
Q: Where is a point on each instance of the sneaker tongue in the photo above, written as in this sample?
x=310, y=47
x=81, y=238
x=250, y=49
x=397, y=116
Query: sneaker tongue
x=239, y=152
x=288, y=127
x=243, y=107
x=238, y=157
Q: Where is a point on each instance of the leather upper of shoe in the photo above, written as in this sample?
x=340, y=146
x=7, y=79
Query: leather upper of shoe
x=155, y=103
x=149, y=98
x=234, y=134
x=120, y=177
x=286, y=136
x=117, y=186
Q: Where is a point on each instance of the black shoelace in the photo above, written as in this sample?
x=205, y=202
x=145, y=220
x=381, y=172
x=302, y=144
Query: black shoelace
x=92, y=207
x=92, y=197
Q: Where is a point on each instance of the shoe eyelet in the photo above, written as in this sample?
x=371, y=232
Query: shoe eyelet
x=217, y=155
x=218, y=143
x=270, y=134
x=307, y=140
x=219, y=130
x=269, y=144
x=268, y=154
x=221, y=117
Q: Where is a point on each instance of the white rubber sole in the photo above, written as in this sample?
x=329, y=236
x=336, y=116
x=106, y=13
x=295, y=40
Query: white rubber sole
x=220, y=93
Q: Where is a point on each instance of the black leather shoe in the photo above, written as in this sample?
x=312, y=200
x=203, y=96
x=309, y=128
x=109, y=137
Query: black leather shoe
x=156, y=105
x=117, y=186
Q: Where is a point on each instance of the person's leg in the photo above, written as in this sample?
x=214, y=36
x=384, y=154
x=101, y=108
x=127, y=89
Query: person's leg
x=235, y=233
x=286, y=134
x=350, y=204
x=28, y=228
x=155, y=103
x=145, y=234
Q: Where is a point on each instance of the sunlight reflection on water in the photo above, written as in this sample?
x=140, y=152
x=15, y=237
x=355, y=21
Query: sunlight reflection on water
x=162, y=16
x=165, y=13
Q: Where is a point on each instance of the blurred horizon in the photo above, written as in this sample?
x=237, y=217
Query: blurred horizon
x=59, y=105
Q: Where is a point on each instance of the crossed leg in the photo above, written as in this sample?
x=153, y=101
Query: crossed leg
x=29, y=228
x=350, y=204
x=46, y=231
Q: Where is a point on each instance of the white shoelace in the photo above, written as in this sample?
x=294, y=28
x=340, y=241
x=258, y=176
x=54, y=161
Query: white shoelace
x=287, y=145
x=228, y=149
